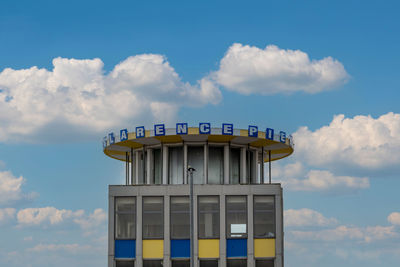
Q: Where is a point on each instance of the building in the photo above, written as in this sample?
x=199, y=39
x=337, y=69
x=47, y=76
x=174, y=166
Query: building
x=237, y=211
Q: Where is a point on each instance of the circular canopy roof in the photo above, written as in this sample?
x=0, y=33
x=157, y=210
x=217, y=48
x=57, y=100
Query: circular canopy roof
x=279, y=145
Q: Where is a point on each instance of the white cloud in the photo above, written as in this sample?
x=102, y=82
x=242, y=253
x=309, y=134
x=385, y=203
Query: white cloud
x=69, y=248
x=306, y=217
x=251, y=70
x=51, y=216
x=6, y=215
x=342, y=232
x=10, y=189
x=394, y=218
x=76, y=98
x=294, y=177
x=362, y=142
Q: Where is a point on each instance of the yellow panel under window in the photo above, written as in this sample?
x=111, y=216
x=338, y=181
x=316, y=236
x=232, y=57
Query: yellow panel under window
x=209, y=248
x=153, y=249
x=264, y=248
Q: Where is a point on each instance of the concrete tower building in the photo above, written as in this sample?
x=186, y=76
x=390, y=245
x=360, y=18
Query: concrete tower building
x=237, y=212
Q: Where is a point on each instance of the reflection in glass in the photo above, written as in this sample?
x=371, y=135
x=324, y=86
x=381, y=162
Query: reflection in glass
x=196, y=161
x=215, y=165
x=234, y=166
x=125, y=218
x=175, y=165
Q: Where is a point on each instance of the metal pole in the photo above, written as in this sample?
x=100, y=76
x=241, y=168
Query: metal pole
x=126, y=168
x=191, y=170
x=269, y=162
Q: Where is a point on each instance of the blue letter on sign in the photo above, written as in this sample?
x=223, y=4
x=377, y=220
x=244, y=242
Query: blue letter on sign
x=159, y=129
x=269, y=134
x=123, y=135
x=253, y=131
x=282, y=137
x=140, y=132
x=227, y=128
x=204, y=128
x=111, y=138
x=104, y=141
x=181, y=128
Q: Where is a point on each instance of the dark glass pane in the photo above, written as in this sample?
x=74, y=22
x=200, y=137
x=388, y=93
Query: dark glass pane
x=234, y=166
x=265, y=263
x=215, y=165
x=180, y=263
x=208, y=216
x=264, y=216
x=236, y=216
x=152, y=263
x=180, y=218
x=208, y=263
x=237, y=263
x=153, y=217
x=157, y=165
x=175, y=165
x=124, y=264
x=196, y=161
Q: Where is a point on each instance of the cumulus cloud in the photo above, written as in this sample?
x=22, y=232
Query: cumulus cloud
x=76, y=98
x=362, y=142
x=6, y=215
x=10, y=189
x=295, y=177
x=250, y=70
x=306, y=217
x=394, y=218
x=51, y=216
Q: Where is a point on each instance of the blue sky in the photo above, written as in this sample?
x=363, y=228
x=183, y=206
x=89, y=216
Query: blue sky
x=325, y=71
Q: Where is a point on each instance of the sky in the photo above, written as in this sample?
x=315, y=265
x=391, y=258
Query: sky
x=324, y=71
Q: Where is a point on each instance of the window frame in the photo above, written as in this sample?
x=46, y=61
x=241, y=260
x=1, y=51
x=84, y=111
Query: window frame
x=226, y=218
x=170, y=216
x=219, y=216
x=163, y=218
x=254, y=221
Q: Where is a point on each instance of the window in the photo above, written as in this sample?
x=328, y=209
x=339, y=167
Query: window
x=124, y=264
x=180, y=218
x=264, y=216
x=208, y=216
x=236, y=216
x=215, y=165
x=180, y=263
x=125, y=218
x=153, y=217
x=264, y=263
x=142, y=158
x=208, y=263
x=196, y=161
x=237, y=263
x=152, y=263
x=157, y=166
x=175, y=165
x=234, y=166
x=251, y=177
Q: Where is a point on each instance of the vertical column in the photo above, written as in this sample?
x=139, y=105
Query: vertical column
x=165, y=164
x=222, y=231
x=167, y=233
x=139, y=242
x=255, y=177
x=126, y=168
x=111, y=241
x=279, y=230
x=137, y=167
x=226, y=164
x=149, y=163
x=133, y=167
x=262, y=165
x=250, y=232
x=243, y=175
x=205, y=171
x=185, y=163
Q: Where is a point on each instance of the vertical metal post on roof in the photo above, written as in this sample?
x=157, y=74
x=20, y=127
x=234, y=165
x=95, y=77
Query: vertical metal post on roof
x=269, y=162
x=262, y=165
x=132, y=169
x=126, y=168
x=191, y=170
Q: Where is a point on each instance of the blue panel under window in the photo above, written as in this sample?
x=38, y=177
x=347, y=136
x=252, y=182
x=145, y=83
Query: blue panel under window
x=125, y=249
x=180, y=248
x=236, y=248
